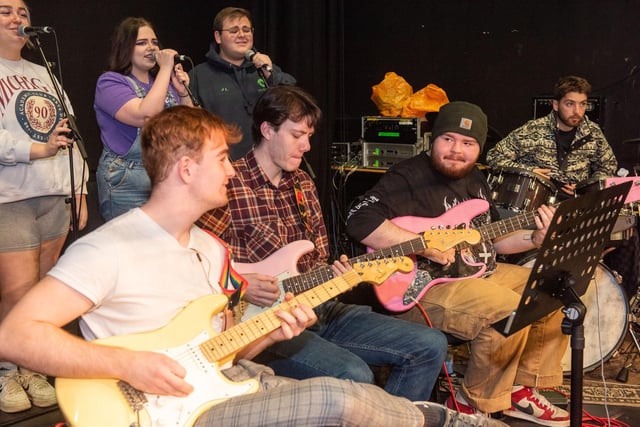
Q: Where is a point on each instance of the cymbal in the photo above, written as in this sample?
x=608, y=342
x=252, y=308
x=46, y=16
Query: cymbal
x=631, y=141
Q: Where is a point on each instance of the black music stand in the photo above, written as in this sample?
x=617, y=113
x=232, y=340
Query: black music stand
x=565, y=264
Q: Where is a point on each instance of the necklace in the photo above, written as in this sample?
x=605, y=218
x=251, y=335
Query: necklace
x=9, y=65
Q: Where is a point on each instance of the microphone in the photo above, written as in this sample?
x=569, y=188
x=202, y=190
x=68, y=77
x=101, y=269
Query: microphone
x=249, y=57
x=26, y=31
x=177, y=58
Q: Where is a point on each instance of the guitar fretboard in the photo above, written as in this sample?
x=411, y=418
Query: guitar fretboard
x=239, y=336
x=505, y=226
x=508, y=225
x=233, y=340
x=306, y=281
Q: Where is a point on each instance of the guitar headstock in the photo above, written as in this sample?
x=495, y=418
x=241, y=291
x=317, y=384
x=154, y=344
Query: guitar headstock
x=378, y=270
x=447, y=238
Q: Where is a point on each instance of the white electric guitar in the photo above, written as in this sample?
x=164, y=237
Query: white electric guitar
x=190, y=340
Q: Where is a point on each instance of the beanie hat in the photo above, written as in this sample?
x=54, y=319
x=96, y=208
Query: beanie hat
x=463, y=118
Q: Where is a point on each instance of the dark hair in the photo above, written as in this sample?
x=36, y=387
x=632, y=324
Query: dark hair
x=176, y=132
x=568, y=84
x=282, y=102
x=123, y=43
x=229, y=12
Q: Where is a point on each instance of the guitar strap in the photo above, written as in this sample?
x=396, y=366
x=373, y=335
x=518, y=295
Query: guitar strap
x=302, y=207
x=232, y=283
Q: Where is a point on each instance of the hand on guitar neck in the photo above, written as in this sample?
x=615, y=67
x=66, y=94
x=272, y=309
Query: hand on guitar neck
x=293, y=322
x=263, y=289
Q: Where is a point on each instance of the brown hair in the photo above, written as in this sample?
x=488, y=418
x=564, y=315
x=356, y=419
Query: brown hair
x=568, y=84
x=123, y=42
x=176, y=132
x=279, y=103
x=229, y=12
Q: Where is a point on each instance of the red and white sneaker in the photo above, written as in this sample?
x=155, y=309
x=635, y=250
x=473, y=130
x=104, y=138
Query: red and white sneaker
x=528, y=404
x=463, y=406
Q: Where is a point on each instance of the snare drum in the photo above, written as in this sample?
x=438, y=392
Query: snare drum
x=606, y=321
x=519, y=190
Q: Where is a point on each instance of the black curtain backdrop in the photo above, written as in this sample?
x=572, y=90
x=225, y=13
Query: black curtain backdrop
x=496, y=53
x=300, y=36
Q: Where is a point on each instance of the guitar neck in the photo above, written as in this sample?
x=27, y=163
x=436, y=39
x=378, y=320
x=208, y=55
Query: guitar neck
x=309, y=280
x=508, y=225
x=233, y=340
x=405, y=248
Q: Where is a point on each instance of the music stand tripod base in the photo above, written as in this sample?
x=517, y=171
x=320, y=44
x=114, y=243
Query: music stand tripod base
x=566, y=262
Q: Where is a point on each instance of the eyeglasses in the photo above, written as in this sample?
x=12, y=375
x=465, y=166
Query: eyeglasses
x=236, y=30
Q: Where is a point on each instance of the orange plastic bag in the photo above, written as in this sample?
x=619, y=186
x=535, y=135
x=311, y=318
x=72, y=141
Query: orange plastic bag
x=428, y=99
x=391, y=94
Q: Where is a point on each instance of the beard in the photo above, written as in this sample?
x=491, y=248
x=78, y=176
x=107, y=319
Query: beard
x=451, y=173
x=569, y=121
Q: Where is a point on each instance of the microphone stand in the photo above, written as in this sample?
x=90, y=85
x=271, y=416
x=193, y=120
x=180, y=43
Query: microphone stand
x=74, y=134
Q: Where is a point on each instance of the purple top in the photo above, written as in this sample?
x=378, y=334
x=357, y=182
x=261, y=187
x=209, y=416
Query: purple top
x=113, y=90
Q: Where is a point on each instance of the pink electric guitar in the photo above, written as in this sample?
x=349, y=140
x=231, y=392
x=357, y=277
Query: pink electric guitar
x=401, y=291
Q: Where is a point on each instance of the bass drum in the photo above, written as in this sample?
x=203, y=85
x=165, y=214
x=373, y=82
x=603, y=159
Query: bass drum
x=606, y=321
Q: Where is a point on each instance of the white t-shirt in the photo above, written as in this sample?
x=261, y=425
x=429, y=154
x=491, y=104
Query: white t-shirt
x=137, y=274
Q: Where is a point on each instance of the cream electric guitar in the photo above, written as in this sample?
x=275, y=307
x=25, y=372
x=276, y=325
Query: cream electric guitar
x=189, y=339
x=282, y=264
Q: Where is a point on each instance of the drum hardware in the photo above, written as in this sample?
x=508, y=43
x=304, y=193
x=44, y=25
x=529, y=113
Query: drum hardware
x=634, y=332
x=605, y=323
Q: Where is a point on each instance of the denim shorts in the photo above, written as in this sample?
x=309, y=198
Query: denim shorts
x=27, y=223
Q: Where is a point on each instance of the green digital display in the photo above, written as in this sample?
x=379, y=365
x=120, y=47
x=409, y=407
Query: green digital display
x=392, y=134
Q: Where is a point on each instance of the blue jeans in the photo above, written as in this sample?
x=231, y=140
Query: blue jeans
x=348, y=338
x=123, y=184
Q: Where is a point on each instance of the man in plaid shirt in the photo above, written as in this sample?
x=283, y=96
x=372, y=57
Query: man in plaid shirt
x=273, y=203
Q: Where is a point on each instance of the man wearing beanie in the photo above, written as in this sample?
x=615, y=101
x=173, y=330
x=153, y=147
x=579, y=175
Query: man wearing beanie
x=503, y=372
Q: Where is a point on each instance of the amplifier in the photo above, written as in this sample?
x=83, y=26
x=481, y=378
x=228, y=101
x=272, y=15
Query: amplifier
x=340, y=152
x=393, y=130
x=381, y=155
x=543, y=105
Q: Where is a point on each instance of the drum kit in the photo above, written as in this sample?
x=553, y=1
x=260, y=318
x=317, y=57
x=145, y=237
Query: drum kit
x=609, y=312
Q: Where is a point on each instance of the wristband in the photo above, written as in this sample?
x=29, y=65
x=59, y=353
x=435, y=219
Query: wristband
x=530, y=237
